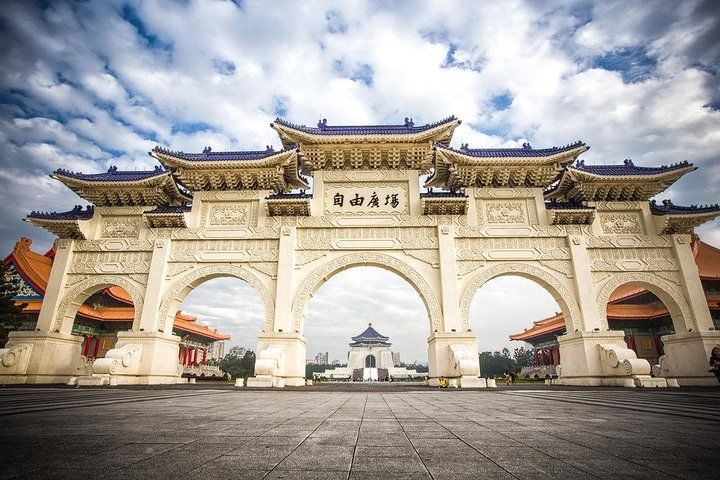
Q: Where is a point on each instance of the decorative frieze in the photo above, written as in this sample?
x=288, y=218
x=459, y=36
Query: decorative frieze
x=505, y=212
x=621, y=223
x=629, y=259
x=431, y=257
x=261, y=250
x=395, y=238
x=110, y=262
x=305, y=257
x=121, y=227
x=511, y=247
x=229, y=215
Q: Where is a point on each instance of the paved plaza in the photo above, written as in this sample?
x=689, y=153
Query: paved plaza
x=206, y=432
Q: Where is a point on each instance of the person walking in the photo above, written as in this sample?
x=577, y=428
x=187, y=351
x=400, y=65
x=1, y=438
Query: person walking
x=715, y=362
x=513, y=375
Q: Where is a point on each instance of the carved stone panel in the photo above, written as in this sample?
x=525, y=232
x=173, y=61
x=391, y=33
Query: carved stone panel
x=619, y=223
x=121, y=227
x=217, y=215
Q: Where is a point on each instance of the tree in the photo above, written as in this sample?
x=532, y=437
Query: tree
x=239, y=367
x=523, y=357
x=11, y=314
x=495, y=364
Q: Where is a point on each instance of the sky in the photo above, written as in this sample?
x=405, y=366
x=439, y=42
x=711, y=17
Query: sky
x=89, y=85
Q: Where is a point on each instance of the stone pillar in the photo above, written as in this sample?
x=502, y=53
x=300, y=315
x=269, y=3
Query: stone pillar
x=582, y=361
x=149, y=320
x=692, y=288
x=281, y=352
x=584, y=284
x=687, y=352
x=49, y=354
x=448, y=279
x=284, y=284
x=56, y=287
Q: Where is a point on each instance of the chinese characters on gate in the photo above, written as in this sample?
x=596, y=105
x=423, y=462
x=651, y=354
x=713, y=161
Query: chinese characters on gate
x=391, y=200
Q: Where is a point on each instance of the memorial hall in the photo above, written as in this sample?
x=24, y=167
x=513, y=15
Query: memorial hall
x=399, y=197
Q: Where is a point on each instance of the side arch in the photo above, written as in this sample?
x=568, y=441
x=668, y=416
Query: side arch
x=366, y=259
x=664, y=290
x=73, y=300
x=179, y=290
x=562, y=295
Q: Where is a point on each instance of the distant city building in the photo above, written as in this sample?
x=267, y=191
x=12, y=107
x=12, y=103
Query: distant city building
x=237, y=351
x=370, y=359
x=322, y=358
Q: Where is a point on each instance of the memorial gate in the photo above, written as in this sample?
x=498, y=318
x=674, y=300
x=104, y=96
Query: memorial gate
x=578, y=230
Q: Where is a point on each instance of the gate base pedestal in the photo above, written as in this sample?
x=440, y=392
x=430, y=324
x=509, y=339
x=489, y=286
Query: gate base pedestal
x=454, y=355
x=58, y=356
x=600, y=359
x=686, y=358
x=142, y=358
x=280, y=360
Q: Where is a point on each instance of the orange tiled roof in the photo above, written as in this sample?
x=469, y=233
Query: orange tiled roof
x=707, y=259
x=34, y=267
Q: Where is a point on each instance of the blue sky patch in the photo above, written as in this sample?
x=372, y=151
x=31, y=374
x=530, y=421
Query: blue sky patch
x=130, y=15
x=190, y=127
x=224, y=67
x=451, y=61
x=279, y=106
x=502, y=102
x=634, y=64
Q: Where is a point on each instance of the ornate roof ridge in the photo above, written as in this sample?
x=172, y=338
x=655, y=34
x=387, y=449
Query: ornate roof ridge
x=453, y=193
x=77, y=213
x=112, y=174
x=627, y=168
x=208, y=155
x=370, y=334
x=669, y=208
x=408, y=127
x=525, y=151
x=169, y=209
x=285, y=195
x=556, y=205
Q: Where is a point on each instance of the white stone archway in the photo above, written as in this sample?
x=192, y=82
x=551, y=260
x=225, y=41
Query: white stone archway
x=73, y=300
x=535, y=213
x=663, y=289
x=183, y=286
x=562, y=295
x=368, y=259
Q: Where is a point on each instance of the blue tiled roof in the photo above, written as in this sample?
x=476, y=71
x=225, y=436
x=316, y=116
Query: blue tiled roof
x=76, y=213
x=627, y=168
x=668, y=208
x=170, y=209
x=432, y=194
x=554, y=205
x=323, y=128
x=208, y=155
x=525, y=151
x=112, y=175
x=369, y=334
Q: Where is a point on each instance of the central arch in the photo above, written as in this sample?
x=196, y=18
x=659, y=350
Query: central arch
x=562, y=295
x=180, y=289
x=367, y=259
